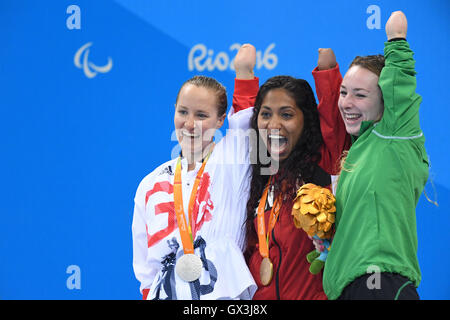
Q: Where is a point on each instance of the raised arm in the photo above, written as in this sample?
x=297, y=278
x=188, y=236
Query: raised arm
x=398, y=83
x=328, y=80
x=246, y=85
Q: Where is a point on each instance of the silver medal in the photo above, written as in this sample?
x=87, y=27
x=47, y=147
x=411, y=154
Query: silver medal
x=189, y=267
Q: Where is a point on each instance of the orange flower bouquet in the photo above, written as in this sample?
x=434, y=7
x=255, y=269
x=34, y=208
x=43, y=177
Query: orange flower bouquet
x=314, y=212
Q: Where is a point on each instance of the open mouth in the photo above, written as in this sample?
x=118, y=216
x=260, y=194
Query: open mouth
x=352, y=117
x=277, y=144
x=190, y=135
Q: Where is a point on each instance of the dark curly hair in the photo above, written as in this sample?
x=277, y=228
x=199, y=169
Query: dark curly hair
x=301, y=162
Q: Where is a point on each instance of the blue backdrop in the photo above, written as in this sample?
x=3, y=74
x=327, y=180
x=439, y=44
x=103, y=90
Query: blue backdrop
x=87, y=92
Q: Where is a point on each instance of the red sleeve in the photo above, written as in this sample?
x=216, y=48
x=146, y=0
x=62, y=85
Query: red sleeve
x=245, y=92
x=145, y=294
x=335, y=136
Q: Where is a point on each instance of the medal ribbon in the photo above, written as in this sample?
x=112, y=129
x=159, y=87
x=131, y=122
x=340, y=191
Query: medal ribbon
x=263, y=237
x=184, y=227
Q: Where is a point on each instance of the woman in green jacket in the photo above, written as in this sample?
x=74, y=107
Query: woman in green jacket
x=374, y=251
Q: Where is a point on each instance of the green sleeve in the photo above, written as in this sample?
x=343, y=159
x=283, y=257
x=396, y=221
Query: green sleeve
x=398, y=85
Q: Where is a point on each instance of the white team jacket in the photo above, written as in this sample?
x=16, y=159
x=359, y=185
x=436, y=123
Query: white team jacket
x=221, y=214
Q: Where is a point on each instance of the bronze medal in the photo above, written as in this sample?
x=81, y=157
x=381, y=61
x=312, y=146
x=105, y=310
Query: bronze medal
x=266, y=271
x=266, y=267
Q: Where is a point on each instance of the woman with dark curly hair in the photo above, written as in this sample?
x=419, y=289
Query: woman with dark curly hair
x=303, y=143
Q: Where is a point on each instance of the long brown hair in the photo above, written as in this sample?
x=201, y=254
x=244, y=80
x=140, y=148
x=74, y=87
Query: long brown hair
x=374, y=63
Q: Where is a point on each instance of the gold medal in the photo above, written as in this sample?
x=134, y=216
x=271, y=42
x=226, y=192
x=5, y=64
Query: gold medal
x=266, y=271
x=266, y=267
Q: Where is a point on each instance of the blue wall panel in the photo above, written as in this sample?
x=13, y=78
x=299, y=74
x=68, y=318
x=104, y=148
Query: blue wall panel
x=75, y=148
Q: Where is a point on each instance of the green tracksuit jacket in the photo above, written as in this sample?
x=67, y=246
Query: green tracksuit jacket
x=384, y=174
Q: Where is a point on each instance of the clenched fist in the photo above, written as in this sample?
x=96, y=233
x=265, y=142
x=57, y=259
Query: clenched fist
x=245, y=62
x=397, y=25
x=327, y=59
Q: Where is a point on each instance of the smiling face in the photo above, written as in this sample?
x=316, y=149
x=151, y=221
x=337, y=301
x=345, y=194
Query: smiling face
x=280, y=123
x=196, y=120
x=360, y=99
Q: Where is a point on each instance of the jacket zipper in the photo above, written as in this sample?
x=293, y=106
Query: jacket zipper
x=277, y=278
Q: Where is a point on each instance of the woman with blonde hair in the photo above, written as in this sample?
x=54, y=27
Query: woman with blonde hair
x=187, y=225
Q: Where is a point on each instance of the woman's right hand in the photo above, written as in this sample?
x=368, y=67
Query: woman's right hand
x=245, y=62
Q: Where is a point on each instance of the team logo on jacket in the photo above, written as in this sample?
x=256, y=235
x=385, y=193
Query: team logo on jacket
x=202, y=211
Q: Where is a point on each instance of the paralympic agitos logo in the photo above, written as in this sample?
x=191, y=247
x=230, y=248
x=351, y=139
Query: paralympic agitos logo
x=81, y=61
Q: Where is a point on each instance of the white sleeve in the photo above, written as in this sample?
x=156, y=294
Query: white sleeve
x=241, y=119
x=144, y=272
x=239, y=136
x=232, y=154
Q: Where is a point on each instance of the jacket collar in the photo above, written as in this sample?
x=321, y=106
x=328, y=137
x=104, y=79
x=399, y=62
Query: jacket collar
x=364, y=126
